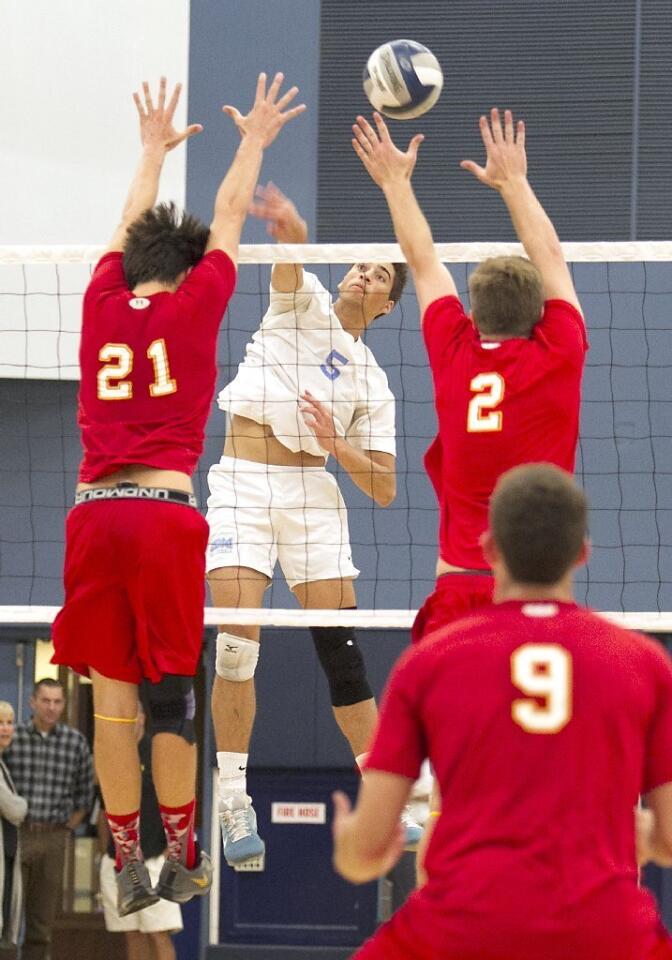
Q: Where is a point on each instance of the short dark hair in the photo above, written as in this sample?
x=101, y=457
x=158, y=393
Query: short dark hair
x=507, y=296
x=538, y=517
x=400, y=278
x=46, y=682
x=161, y=244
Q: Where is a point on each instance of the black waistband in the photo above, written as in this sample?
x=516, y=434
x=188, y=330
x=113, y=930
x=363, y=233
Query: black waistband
x=132, y=491
x=465, y=572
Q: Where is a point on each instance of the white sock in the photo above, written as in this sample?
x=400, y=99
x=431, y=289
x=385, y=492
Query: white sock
x=232, y=773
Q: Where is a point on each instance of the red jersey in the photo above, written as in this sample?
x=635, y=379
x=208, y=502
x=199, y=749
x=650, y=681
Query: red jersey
x=499, y=404
x=543, y=723
x=148, y=367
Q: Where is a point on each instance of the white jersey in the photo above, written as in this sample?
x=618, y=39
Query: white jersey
x=301, y=346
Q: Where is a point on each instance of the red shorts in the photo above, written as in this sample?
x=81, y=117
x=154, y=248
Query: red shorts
x=134, y=590
x=388, y=944
x=455, y=595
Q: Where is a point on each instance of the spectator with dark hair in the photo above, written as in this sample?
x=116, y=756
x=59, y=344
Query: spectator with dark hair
x=50, y=764
x=13, y=810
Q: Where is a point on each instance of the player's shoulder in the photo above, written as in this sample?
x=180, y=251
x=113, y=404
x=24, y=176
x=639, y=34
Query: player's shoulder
x=214, y=263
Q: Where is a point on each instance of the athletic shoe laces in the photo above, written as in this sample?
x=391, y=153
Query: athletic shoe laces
x=238, y=823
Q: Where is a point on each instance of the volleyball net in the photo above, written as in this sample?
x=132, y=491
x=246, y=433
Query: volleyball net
x=624, y=460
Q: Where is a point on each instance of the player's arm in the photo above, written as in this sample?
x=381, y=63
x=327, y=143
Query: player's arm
x=258, y=129
x=369, y=840
x=283, y=222
x=158, y=137
x=373, y=471
x=653, y=828
x=506, y=171
x=392, y=170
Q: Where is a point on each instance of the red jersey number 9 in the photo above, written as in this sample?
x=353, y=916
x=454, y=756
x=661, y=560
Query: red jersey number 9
x=112, y=379
x=543, y=671
x=489, y=393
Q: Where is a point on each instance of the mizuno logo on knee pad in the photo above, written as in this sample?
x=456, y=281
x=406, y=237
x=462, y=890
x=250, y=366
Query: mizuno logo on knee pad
x=236, y=657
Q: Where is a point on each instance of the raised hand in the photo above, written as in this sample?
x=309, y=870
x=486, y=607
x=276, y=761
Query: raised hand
x=505, y=157
x=268, y=114
x=283, y=220
x=156, y=122
x=384, y=162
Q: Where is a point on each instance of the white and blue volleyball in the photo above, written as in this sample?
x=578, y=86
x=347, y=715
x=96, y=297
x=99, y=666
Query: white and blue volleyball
x=402, y=79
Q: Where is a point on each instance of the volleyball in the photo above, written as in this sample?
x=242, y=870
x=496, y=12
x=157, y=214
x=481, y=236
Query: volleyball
x=402, y=79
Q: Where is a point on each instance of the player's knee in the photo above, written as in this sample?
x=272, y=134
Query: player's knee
x=171, y=706
x=343, y=664
x=236, y=658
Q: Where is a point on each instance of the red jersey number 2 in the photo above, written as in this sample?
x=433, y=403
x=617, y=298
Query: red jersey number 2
x=112, y=380
x=488, y=390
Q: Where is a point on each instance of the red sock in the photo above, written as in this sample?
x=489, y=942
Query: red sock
x=125, y=830
x=178, y=824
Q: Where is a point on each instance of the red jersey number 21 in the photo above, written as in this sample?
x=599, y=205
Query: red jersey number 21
x=112, y=380
x=488, y=390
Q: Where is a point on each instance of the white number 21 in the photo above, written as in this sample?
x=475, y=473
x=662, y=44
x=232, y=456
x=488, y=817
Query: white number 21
x=543, y=671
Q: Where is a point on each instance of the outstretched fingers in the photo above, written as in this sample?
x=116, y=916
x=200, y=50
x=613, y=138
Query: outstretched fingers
x=274, y=88
x=474, y=168
x=381, y=126
x=414, y=146
x=148, y=97
x=486, y=133
x=287, y=98
x=520, y=134
x=367, y=130
x=294, y=112
x=174, y=100
x=496, y=123
x=138, y=106
x=508, y=127
x=261, y=88
x=162, y=94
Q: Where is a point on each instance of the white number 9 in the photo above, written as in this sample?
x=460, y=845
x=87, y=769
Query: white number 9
x=542, y=671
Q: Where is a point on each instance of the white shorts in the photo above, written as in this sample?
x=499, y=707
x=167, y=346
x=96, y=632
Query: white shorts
x=162, y=917
x=259, y=514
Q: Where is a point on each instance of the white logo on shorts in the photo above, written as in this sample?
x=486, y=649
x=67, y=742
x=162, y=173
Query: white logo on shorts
x=139, y=303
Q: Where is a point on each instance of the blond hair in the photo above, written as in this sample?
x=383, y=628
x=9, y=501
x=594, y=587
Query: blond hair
x=5, y=706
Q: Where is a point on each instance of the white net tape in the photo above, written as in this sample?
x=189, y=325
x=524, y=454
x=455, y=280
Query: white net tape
x=374, y=619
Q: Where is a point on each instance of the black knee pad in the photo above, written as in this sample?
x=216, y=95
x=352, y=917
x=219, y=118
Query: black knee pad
x=343, y=663
x=171, y=705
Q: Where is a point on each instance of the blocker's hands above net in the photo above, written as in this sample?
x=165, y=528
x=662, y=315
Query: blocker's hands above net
x=384, y=162
x=504, y=151
x=156, y=122
x=268, y=114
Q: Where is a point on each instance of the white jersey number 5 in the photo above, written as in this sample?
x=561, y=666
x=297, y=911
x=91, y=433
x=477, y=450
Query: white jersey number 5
x=489, y=393
x=543, y=671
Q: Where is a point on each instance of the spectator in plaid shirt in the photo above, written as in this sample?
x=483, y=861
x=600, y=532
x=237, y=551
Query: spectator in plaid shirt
x=50, y=764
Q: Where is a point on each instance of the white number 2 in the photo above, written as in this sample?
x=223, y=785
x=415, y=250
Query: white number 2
x=543, y=671
x=489, y=392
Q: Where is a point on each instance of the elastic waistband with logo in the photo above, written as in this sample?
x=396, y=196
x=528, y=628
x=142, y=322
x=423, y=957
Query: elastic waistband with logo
x=132, y=491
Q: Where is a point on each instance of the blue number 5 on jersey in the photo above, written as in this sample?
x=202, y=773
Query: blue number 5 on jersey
x=329, y=368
